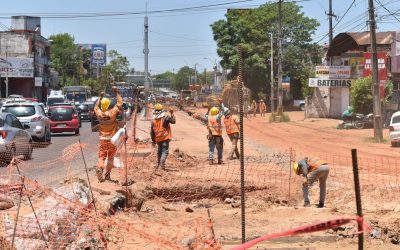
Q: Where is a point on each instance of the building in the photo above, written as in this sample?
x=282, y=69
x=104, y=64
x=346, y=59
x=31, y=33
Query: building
x=349, y=58
x=24, y=59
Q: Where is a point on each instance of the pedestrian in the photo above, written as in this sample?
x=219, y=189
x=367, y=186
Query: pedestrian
x=214, y=136
x=254, y=107
x=263, y=107
x=160, y=132
x=232, y=130
x=313, y=169
x=107, y=128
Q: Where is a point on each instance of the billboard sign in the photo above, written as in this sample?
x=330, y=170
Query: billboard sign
x=333, y=72
x=99, y=54
x=382, y=65
x=38, y=81
x=21, y=67
x=329, y=83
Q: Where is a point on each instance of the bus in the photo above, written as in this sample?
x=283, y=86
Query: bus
x=78, y=94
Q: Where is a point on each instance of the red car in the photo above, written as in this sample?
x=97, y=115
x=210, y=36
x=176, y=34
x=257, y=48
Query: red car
x=63, y=119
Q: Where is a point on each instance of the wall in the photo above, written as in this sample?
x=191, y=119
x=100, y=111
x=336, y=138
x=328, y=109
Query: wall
x=317, y=106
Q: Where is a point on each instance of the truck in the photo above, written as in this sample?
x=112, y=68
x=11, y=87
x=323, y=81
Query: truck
x=77, y=94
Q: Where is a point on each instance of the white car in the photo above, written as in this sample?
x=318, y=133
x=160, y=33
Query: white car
x=394, y=129
x=33, y=115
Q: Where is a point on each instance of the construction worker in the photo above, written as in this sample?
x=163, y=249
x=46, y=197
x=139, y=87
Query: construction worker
x=313, y=169
x=231, y=123
x=263, y=107
x=254, y=107
x=214, y=136
x=107, y=128
x=160, y=132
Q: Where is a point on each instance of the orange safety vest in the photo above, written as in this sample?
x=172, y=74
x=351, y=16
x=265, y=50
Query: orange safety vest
x=214, y=126
x=314, y=163
x=161, y=133
x=231, y=126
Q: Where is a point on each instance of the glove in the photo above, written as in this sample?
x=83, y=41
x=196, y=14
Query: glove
x=305, y=184
x=210, y=137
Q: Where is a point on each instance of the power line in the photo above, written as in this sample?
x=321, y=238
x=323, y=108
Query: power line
x=379, y=2
x=179, y=37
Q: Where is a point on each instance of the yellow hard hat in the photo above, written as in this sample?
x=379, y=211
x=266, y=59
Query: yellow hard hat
x=296, y=168
x=214, y=111
x=105, y=103
x=158, y=107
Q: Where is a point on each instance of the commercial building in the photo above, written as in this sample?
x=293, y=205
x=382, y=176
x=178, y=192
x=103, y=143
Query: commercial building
x=347, y=59
x=24, y=59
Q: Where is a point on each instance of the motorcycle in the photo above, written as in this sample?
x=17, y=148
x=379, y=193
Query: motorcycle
x=360, y=121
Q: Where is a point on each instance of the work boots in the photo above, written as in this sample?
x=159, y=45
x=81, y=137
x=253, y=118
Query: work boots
x=220, y=162
x=211, y=162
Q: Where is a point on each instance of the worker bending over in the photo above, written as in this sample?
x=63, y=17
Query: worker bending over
x=313, y=169
x=160, y=132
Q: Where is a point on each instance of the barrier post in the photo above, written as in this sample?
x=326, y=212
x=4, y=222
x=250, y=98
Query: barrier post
x=358, y=198
x=290, y=170
x=87, y=175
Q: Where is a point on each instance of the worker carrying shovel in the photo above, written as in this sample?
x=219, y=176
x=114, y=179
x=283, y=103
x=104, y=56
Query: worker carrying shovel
x=313, y=169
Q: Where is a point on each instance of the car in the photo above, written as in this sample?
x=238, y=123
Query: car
x=69, y=105
x=63, y=119
x=84, y=110
x=14, y=139
x=15, y=96
x=33, y=115
x=394, y=129
x=51, y=100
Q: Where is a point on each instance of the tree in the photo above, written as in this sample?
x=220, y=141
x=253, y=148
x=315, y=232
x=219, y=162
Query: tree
x=251, y=28
x=181, y=80
x=361, y=95
x=166, y=75
x=118, y=65
x=65, y=57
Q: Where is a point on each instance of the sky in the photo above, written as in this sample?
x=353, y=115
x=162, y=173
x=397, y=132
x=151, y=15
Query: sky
x=177, y=38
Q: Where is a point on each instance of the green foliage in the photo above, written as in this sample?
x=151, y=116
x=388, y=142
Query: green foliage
x=303, y=77
x=118, y=65
x=361, y=95
x=283, y=118
x=181, y=80
x=166, y=75
x=65, y=57
x=251, y=28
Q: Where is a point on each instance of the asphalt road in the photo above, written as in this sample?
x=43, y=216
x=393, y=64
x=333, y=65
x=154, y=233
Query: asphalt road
x=47, y=166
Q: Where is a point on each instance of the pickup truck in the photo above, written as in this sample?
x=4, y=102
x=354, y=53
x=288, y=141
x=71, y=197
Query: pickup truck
x=300, y=104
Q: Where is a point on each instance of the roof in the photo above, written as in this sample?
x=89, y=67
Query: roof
x=352, y=40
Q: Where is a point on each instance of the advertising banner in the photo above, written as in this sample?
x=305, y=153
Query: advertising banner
x=329, y=83
x=333, y=72
x=99, y=54
x=16, y=67
x=382, y=65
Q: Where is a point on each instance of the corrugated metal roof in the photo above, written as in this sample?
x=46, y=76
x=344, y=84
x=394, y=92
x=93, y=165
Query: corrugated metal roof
x=363, y=38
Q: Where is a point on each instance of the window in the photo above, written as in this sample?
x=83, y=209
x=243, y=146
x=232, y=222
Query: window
x=396, y=119
x=15, y=122
x=9, y=120
x=20, y=111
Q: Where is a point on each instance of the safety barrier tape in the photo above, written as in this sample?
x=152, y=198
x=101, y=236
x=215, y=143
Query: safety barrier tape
x=320, y=226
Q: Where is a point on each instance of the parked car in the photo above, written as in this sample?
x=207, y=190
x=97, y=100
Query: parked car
x=15, y=96
x=394, y=129
x=63, y=119
x=33, y=115
x=14, y=140
x=84, y=110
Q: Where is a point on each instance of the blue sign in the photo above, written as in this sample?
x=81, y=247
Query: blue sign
x=99, y=54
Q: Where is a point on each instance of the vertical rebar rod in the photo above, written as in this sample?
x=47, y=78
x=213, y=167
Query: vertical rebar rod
x=87, y=175
x=290, y=170
x=358, y=198
x=30, y=202
x=242, y=193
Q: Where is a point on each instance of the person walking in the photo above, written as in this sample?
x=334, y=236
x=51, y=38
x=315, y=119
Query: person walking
x=107, y=128
x=231, y=123
x=263, y=107
x=313, y=169
x=254, y=107
x=214, y=136
x=160, y=133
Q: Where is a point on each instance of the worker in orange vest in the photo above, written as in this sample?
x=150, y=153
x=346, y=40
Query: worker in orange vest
x=313, y=169
x=254, y=107
x=231, y=123
x=263, y=107
x=107, y=128
x=214, y=136
x=160, y=132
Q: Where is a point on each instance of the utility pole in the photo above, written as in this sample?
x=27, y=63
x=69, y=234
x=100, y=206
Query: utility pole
x=7, y=94
x=195, y=74
x=280, y=93
x=272, y=75
x=146, y=56
x=330, y=15
x=205, y=75
x=375, y=81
